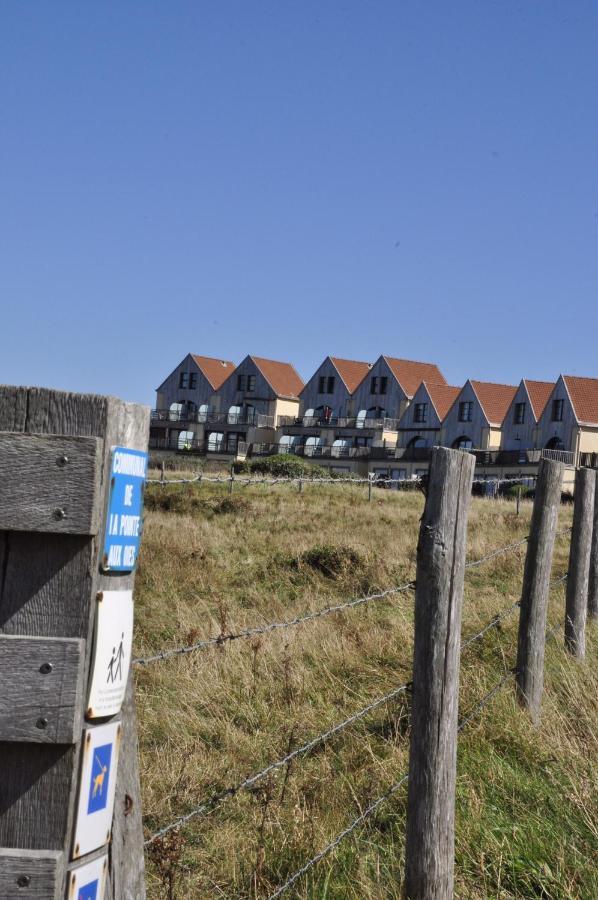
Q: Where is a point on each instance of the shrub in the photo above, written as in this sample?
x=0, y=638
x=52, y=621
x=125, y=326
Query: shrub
x=284, y=465
x=332, y=561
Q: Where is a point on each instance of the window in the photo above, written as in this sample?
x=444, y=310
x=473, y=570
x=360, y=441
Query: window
x=519, y=413
x=193, y=380
x=251, y=382
x=326, y=384
x=465, y=411
x=379, y=384
x=241, y=382
x=557, y=410
x=421, y=412
x=363, y=441
x=383, y=384
x=184, y=380
x=463, y=443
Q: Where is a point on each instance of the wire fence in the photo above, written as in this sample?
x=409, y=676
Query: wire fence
x=337, y=480
x=248, y=783
x=228, y=637
x=371, y=809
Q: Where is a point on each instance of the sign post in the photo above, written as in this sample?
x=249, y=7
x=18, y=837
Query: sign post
x=70, y=817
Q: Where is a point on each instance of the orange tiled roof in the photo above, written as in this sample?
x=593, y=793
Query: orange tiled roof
x=282, y=377
x=215, y=370
x=584, y=397
x=539, y=394
x=442, y=396
x=495, y=399
x=352, y=371
x=410, y=374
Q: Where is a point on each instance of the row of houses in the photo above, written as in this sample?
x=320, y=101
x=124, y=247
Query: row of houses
x=382, y=417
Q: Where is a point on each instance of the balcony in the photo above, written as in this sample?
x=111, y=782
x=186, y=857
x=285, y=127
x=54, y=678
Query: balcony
x=384, y=424
x=256, y=419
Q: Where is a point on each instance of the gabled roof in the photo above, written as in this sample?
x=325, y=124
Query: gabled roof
x=495, y=399
x=351, y=371
x=442, y=396
x=215, y=370
x=584, y=397
x=282, y=377
x=539, y=393
x=410, y=374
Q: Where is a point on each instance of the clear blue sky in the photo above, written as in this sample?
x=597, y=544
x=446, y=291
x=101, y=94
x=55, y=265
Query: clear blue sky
x=293, y=179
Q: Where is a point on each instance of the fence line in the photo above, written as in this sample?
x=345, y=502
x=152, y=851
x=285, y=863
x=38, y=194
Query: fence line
x=487, y=698
x=219, y=640
x=208, y=805
x=325, y=479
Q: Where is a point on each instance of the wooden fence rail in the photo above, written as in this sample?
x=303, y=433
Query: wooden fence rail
x=59, y=477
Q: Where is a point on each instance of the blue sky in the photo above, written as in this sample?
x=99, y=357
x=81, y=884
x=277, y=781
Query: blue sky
x=293, y=179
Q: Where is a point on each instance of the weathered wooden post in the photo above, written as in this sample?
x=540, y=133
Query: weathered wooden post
x=536, y=586
x=232, y=478
x=593, y=584
x=72, y=471
x=370, y=479
x=162, y=467
x=433, y=753
x=576, y=608
x=518, y=497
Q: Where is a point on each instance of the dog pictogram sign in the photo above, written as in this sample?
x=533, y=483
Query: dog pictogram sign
x=96, y=788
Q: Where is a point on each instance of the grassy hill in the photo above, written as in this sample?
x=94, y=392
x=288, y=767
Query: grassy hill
x=527, y=814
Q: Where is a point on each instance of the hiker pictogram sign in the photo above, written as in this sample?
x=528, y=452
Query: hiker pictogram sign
x=88, y=882
x=128, y=472
x=113, y=637
x=96, y=787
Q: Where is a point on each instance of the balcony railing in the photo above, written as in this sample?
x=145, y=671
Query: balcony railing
x=588, y=460
x=385, y=424
x=564, y=456
x=257, y=419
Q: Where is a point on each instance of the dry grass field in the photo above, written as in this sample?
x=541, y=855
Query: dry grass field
x=527, y=813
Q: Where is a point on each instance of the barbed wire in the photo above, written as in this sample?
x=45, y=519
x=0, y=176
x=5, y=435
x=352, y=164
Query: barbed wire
x=493, y=623
x=306, y=480
x=321, y=738
x=484, y=701
x=219, y=640
x=273, y=626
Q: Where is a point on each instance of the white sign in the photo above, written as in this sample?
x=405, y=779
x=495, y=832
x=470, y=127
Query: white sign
x=99, y=752
x=113, y=641
x=88, y=881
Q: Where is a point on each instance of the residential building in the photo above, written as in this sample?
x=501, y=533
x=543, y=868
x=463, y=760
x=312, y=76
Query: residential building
x=252, y=400
x=327, y=396
x=389, y=386
x=474, y=421
x=520, y=425
x=186, y=398
x=568, y=425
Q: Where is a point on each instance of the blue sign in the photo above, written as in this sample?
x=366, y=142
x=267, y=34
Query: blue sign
x=123, y=522
x=100, y=779
x=89, y=891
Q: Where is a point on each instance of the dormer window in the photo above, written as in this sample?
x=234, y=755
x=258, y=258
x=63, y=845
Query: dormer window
x=251, y=382
x=420, y=413
x=326, y=384
x=193, y=381
x=557, y=410
x=466, y=411
x=378, y=384
x=241, y=382
x=519, y=418
x=184, y=380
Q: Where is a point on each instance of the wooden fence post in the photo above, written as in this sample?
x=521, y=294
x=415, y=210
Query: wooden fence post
x=370, y=487
x=576, y=608
x=232, y=478
x=57, y=472
x=536, y=586
x=441, y=548
x=593, y=584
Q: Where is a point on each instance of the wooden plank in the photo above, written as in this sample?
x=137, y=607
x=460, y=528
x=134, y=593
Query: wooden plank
x=429, y=850
x=576, y=607
x=31, y=874
x=536, y=586
x=593, y=584
x=41, y=699
x=49, y=483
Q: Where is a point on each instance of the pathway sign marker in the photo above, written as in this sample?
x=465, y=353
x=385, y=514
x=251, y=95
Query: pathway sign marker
x=96, y=788
x=88, y=881
x=113, y=639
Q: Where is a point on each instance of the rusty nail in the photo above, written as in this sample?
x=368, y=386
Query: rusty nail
x=100, y=594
